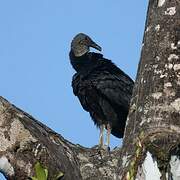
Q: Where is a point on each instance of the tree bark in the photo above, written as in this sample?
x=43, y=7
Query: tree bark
x=151, y=146
x=24, y=141
x=153, y=126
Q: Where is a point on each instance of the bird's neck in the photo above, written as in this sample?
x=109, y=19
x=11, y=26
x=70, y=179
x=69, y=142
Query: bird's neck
x=82, y=63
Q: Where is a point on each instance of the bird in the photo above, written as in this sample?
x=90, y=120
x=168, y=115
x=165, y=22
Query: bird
x=102, y=88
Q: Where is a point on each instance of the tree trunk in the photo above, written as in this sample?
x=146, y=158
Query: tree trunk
x=152, y=138
x=151, y=146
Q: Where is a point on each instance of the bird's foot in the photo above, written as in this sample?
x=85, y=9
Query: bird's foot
x=101, y=147
x=105, y=148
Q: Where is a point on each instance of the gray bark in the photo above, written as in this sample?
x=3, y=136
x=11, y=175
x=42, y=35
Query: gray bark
x=154, y=119
x=152, y=129
x=24, y=141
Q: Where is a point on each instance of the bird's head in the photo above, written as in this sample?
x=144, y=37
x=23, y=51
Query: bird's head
x=81, y=44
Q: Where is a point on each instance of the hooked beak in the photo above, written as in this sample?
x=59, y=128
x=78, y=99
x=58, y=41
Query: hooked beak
x=94, y=45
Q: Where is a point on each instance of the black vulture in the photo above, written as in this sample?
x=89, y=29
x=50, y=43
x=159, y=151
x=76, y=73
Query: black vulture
x=102, y=88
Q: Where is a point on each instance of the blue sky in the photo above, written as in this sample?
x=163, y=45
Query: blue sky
x=35, y=40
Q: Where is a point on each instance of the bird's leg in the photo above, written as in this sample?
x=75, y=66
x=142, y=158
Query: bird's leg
x=101, y=137
x=108, y=134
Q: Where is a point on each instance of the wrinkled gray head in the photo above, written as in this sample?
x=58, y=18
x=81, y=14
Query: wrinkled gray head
x=81, y=44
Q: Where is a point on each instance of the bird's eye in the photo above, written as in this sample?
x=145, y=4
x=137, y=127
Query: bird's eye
x=81, y=42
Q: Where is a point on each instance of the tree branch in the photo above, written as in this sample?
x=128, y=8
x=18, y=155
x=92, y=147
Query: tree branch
x=24, y=141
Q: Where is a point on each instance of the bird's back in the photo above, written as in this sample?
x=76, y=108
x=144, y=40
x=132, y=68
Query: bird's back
x=103, y=90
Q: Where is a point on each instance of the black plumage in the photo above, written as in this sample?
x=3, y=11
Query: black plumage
x=102, y=88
